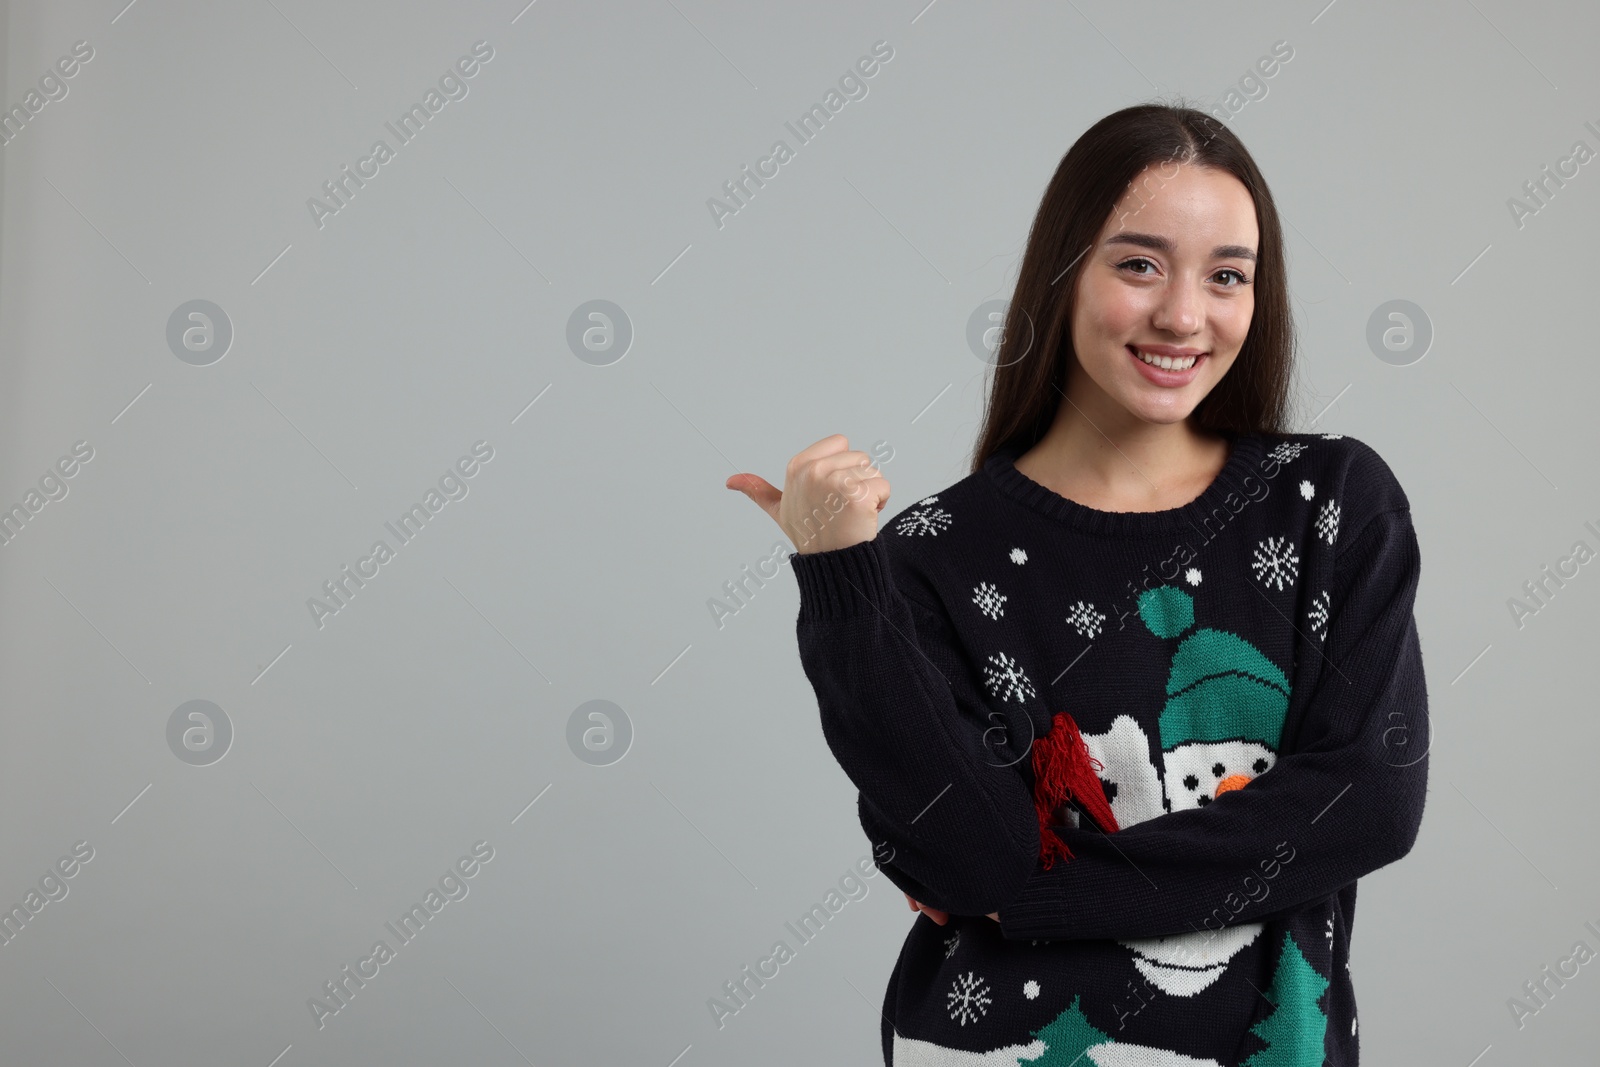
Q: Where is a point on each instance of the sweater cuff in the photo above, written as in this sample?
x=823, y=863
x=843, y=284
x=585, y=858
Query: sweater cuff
x=842, y=583
x=1036, y=912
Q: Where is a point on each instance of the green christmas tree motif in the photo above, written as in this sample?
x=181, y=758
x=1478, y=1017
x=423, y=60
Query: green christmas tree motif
x=1066, y=1039
x=1296, y=1029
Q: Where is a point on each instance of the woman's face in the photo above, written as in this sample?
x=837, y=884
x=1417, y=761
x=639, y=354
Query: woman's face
x=1171, y=274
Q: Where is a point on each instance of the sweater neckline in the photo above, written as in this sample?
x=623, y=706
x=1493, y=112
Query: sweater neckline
x=1244, y=451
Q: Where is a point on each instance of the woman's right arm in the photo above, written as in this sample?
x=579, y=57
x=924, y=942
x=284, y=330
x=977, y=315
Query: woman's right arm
x=906, y=719
x=901, y=708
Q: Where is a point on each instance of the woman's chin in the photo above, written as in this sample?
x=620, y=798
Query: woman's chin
x=1164, y=410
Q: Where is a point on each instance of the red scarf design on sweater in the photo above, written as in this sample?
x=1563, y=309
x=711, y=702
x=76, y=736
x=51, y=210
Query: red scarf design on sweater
x=1062, y=768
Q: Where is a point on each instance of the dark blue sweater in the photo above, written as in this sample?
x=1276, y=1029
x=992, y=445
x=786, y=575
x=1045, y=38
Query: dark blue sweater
x=1246, y=672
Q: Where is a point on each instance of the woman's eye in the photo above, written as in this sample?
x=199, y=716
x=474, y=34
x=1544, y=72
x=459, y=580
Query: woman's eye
x=1130, y=265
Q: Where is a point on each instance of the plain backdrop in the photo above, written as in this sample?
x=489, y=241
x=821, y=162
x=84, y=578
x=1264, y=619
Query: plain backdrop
x=373, y=347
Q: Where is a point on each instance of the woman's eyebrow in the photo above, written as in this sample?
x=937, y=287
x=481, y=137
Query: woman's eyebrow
x=1158, y=243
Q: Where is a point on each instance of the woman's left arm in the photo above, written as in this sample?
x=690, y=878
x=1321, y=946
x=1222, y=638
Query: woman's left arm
x=1346, y=802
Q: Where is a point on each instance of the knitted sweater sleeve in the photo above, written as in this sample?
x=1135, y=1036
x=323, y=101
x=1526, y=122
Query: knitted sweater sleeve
x=907, y=722
x=1346, y=800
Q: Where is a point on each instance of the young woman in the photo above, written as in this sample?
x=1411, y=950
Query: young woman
x=1134, y=703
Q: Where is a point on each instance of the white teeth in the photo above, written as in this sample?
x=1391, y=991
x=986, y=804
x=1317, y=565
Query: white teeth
x=1167, y=362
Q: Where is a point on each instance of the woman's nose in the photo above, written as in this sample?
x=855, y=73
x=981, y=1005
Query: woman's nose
x=1180, y=310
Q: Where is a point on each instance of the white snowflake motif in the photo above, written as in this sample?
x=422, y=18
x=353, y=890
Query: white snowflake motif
x=969, y=998
x=1006, y=680
x=1085, y=619
x=1019, y=556
x=1307, y=490
x=1332, y=436
x=1328, y=521
x=1287, y=451
x=990, y=600
x=1318, y=615
x=1192, y=575
x=1275, y=562
x=1329, y=933
x=950, y=944
x=1030, y=989
x=924, y=522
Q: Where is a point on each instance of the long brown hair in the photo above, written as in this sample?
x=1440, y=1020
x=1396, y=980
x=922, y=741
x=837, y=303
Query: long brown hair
x=1035, y=349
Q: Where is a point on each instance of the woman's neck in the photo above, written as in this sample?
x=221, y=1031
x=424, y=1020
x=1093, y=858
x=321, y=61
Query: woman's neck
x=1127, y=465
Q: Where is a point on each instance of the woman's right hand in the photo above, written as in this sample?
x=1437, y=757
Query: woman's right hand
x=935, y=914
x=830, y=499
x=940, y=917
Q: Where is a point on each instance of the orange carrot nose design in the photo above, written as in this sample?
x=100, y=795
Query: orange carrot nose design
x=1233, y=781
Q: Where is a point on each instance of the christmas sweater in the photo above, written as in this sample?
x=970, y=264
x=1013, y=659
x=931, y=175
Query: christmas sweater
x=1162, y=746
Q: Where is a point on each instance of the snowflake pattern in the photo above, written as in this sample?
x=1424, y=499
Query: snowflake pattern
x=1085, y=619
x=1275, y=562
x=1328, y=933
x=1192, y=575
x=1328, y=521
x=1030, y=989
x=1332, y=436
x=1318, y=615
x=1307, y=490
x=1006, y=679
x=930, y=521
x=1019, y=556
x=950, y=944
x=990, y=600
x=1286, y=451
x=968, y=998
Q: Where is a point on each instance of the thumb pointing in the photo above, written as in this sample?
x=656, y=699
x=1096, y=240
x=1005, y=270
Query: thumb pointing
x=758, y=489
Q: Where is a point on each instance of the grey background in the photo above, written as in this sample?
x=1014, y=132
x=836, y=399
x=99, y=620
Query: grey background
x=369, y=354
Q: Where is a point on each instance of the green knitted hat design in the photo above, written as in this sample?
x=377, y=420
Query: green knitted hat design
x=1221, y=687
x=1166, y=610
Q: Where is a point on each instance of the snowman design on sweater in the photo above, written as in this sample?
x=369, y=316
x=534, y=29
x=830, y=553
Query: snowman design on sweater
x=1226, y=703
x=1220, y=728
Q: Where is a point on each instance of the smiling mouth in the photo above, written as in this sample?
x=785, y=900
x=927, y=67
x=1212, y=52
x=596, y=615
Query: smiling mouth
x=1172, y=363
